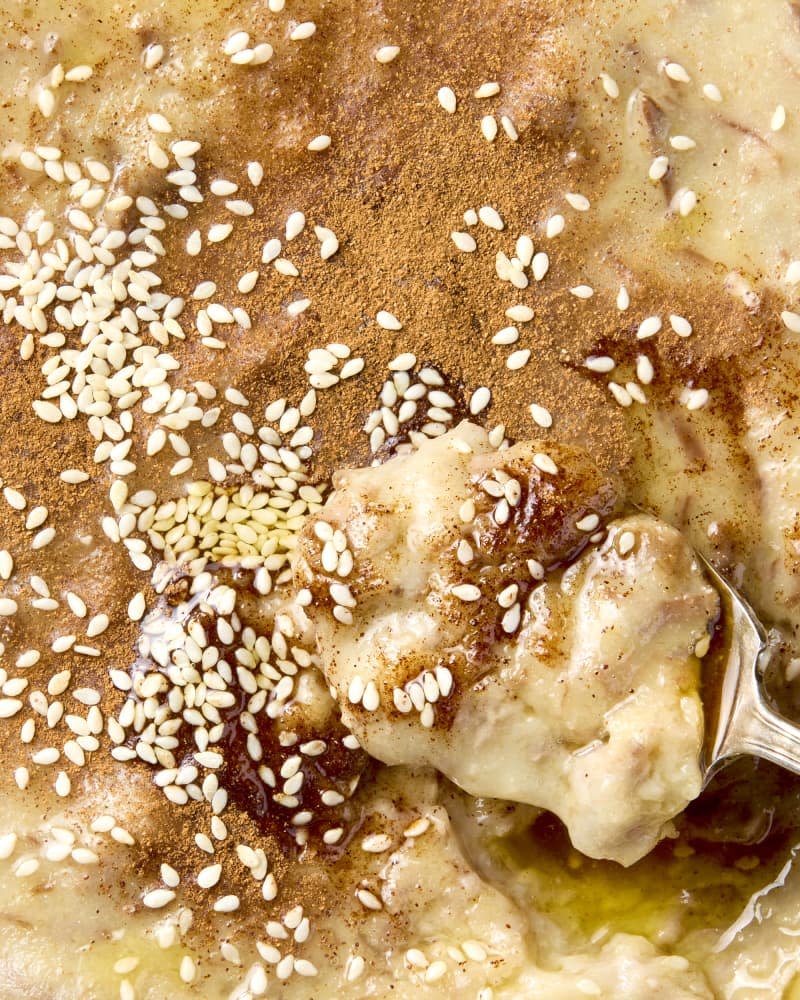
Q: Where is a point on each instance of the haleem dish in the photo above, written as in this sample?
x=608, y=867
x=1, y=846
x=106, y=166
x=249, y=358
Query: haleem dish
x=373, y=378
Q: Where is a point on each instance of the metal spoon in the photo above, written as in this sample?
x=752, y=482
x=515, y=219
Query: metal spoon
x=738, y=718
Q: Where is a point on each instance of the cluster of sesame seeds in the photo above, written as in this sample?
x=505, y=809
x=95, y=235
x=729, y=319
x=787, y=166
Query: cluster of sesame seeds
x=430, y=970
x=193, y=659
x=488, y=124
x=241, y=52
x=422, y=693
x=47, y=91
x=82, y=287
x=414, y=407
x=329, y=365
x=626, y=393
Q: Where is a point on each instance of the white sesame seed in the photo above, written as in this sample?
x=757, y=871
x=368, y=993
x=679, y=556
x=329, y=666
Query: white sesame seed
x=518, y=359
x=376, y=843
x=47, y=411
x=471, y=217
x=712, y=92
x=778, y=119
x=447, y=99
x=464, y=241
x=30, y=160
x=793, y=272
x=156, y=899
x=649, y=327
x=489, y=127
x=158, y=123
x=255, y=173
x=78, y=74
x=536, y=569
x=791, y=320
x=524, y=250
x=540, y=265
x=577, y=201
x=490, y=217
x=76, y=605
x=545, y=464
x=157, y=156
x=644, y=369
x=43, y=538
x=682, y=143
x=466, y=592
x=541, y=416
x=680, y=325
x=626, y=542
x=636, y=393
x=371, y=698
x=188, y=969
x=519, y=314
x=247, y=282
x=236, y=42
x=620, y=394
x=582, y=291
x=479, y=400
x=588, y=523
x=687, y=202
x=194, y=243
x=555, y=226
x=508, y=595
x=610, y=85
x=295, y=224
x=696, y=398
x=73, y=477
x=387, y=53
x=26, y=868
x=46, y=101
x=511, y=619
x=208, y=877
x=509, y=128
x=184, y=148
x=623, y=298
x=658, y=168
x=508, y=335
x=402, y=363
x=9, y=707
x=352, y=367
x=8, y=607
x=489, y=89
x=8, y=844
x=136, y=607
x=435, y=971
x=676, y=72
x=226, y=904
x=368, y=899
x=319, y=143
x=152, y=56
x=285, y=267
x=303, y=31
x=219, y=231
x=388, y=321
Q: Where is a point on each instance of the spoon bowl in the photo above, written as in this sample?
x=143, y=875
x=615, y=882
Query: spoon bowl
x=739, y=718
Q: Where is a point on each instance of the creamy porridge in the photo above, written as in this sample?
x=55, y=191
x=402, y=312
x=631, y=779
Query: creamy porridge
x=371, y=373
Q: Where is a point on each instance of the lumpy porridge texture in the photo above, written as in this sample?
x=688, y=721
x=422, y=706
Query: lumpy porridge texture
x=586, y=704
x=247, y=248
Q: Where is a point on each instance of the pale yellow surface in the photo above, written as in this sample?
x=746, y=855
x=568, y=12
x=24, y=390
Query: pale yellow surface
x=59, y=940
